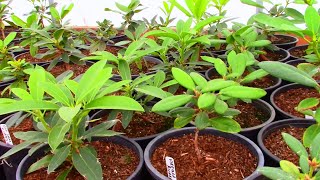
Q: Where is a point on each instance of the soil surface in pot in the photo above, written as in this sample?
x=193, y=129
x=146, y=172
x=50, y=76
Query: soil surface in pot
x=111, y=49
x=32, y=59
x=221, y=158
x=142, y=124
x=263, y=82
x=63, y=67
x=250, y=115
x=271, y=56
x=221, y=48
x=299, y=51
x=291, y=98
x=135, y=70
x=118, y=162
x=25, y=125
x=277, y=146
x=279, y=39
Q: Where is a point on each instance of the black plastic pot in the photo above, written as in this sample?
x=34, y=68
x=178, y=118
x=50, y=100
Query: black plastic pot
x=267, y=109
x=280, y=113
x=152, y=146
x=142, y=141
x=283, y=52
x=271, y=159
x=117, y=77
x=269, y=90
x=119, y=38
x=27, y=161
x=292, y=57
x=293, y=41
x=13, y=161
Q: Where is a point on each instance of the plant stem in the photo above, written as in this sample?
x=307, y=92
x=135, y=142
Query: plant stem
x=196, y=144
x=44, y=123
x=3, y=35
x=315, y=48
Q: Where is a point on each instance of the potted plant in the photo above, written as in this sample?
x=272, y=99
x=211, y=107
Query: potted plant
x=4, y=19
x=210, y=109
x=68, y=136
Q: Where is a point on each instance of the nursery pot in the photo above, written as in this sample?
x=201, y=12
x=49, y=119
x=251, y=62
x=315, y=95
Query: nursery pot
x=284, y=53
x=293, y=41
x=142, y=141
x=271, y=159
x=119, y=38
x=291, y=50
x=27, y=161
x=269, y=90
x=117, y=77
x=13, y=161
x=281, y=113
x=252, y=132
x=152, y=146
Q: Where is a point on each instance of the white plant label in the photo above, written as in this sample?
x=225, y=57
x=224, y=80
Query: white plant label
x=171, y=169
x=309, y=117
x=6, y=134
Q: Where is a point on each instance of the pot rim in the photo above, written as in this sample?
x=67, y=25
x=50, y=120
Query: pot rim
x=288, y=43
x=303, y=45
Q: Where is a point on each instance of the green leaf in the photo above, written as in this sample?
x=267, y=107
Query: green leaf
x=198, y=79
x=27, y=105
x=183, y=78
x=180, y=7
x=199, y=26
x=87, y=164
x=289, y=167
x=225, y=124
x=42, y=163
x=218, y=84
x=36, y=77
x=58, y=34
x=252, y=3
x=294, y=144
x=68, y=113
x=308, y=104
x=57, y=135
x=311, y=132
x=288, y=72
x=220, y=106
x=18, y=21
x=113, y=88
x=124, y=70
x=172, y=102
x=237, y=63
x=254, y=75
x=202, y=120
x=64, y=174
x=100, y=129
x=54, y=13
x=153, y=91
x=17, y=148
x=206, y=100
x=304, y=164
x=276, y=22
x=276, y=173
x=317, y=115
x=182, y=111
x=60, y=155
x=219, y=65
x=312, y=19
x=115, y=102
x=259, y=43
x=315, y=148
x=9, y=38
x=181, y=122
x=243, y=92
x=58, y=92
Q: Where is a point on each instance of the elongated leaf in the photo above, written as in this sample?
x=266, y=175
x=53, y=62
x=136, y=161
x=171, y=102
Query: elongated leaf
x=54, y=13
x=57, y=135
x=309, y=135
x=17, y=148
x=113, y=88
x=87, y=164
x=60, y=155
x=218, y=84
x=259, y=43
x=183, y=78
x=225, y=124
x=115, y=102
x=124, y=70
x=58, y=93
x=9, y=38
x=275, y=173
x=289, y=167
x=68, y=113
x=198, y=79
x=181, y=122
x=276, y=22
x=27, y=106
x=37, y=76
x=181, y=8
x=243, y=92
x=220, y=106
x=199, y=26
x=252, y=3
x=206, y=100
x=153, y=91
x=315, y=148
x=312, y=19
x=172, y=102
x=219, y=65
x=42, y=163
x=254, y=75
x=294, y=144
x=304, y=164
x=288, y=72
x=99, y=128
x=18, y=21
x=308, y=103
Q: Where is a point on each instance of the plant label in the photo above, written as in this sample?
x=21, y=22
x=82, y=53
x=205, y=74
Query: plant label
x=171, y=169
x=309, y=117
x=6, y=134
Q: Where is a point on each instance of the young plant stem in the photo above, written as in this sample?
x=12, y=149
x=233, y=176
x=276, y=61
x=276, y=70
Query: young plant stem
x=2, y=33
x=196, y=144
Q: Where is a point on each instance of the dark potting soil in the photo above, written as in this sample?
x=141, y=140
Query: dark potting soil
x=111, y=49
x=63, y=67
x=291, y=98
x=25, y=125
x=279, y=39
x=275, y=143
x=135, y=70
x=222, y=47
x=143, y=124
x=30, y=58
x=250, y=115
x=118, y=162
x=271, y=56
x=299, y=51
x=221, y=158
